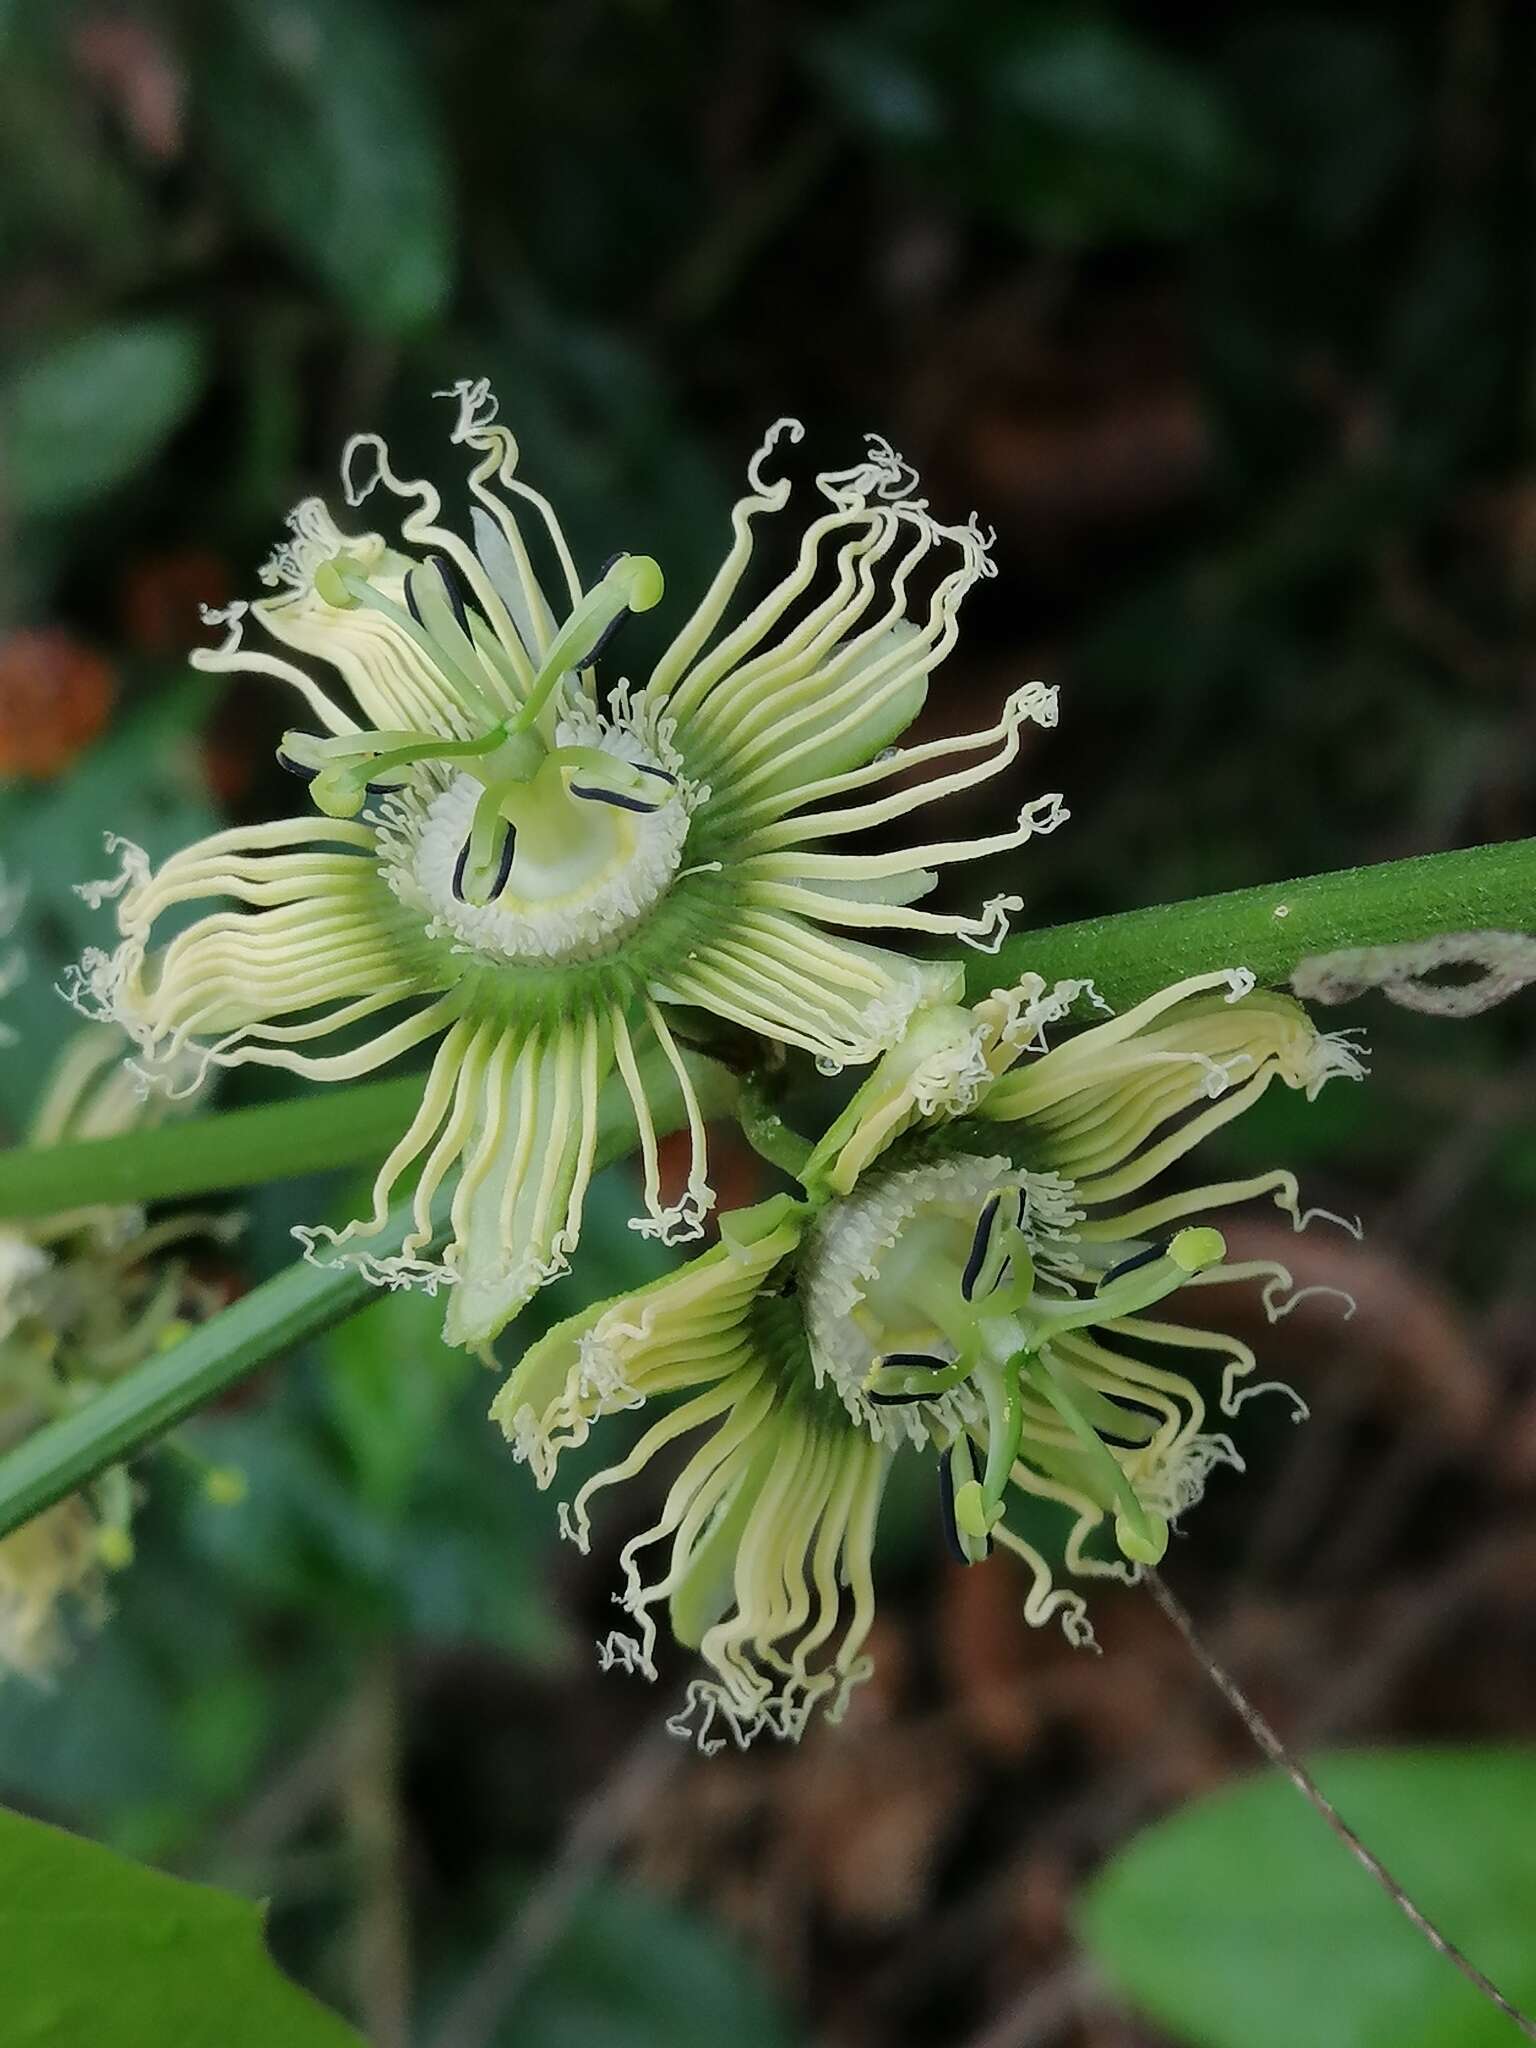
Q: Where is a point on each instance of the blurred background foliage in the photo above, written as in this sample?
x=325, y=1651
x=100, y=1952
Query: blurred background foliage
x=1225, y=318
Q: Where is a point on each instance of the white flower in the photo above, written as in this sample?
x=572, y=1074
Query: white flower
x=970, y=1281
x=539, y=875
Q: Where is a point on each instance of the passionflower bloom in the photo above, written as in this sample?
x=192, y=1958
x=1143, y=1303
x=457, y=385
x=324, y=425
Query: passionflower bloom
x=971, y=1278
x=84, y=1297
x=538, y=874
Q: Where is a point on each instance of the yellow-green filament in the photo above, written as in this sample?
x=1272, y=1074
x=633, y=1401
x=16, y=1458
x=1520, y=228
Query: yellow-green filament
x=888, y=1380
x=1002, y=1390
x=633, y=584
x=1190, y=1252
x=1141, y=1535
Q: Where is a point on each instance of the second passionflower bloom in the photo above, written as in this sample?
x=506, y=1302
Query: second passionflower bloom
x=540, y=876
x=971, y=1278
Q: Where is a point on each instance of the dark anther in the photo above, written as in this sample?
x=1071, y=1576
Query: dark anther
x=382, y=788
x=504, y=868
x=611, y=796
x=600, y=644
x=1129, y=1437
x=508, y=848
x=907, y=1361
x=410, y=599
x=947, y=1520
x=459, y=596
x=645, y=768
x=1136, y=1260
x=980, y=1240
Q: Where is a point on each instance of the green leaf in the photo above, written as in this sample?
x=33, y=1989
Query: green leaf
x=1241, y=1922
x=94, y=1948
x=92, y=410
x=320, y=111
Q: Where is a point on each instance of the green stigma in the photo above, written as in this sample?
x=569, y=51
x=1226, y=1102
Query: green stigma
x=330, y=580
x=634, y=583
x=345, y=770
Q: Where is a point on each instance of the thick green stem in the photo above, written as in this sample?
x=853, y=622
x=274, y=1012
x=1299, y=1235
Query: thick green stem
x=296, y=1305
x=1274, y=928
x=1127, y=957
x=237, y=1148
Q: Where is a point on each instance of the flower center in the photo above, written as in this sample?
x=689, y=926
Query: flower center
x=542, y=833
x=587, y=847
x=883, y=1281
x=932, y=1299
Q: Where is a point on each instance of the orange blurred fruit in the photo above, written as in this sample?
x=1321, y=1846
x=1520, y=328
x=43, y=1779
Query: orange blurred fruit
x=55, y=696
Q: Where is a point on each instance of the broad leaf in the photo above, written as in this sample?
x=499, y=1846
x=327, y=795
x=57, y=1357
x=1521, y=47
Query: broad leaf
x=1242, y=1922
x=320, y=111
x=94, y=1948
x=92, y=410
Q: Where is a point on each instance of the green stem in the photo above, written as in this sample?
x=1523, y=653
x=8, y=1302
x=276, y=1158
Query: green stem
x=1128, y=956
x=1274, y=928
x=237, y=1148
x=295, y=1305
x=287, y=1310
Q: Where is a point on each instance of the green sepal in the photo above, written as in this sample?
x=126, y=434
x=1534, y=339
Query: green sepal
x=542, y=1371
x=941, y=1027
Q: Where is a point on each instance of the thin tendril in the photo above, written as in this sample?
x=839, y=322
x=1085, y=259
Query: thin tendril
x=1269, y=1742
